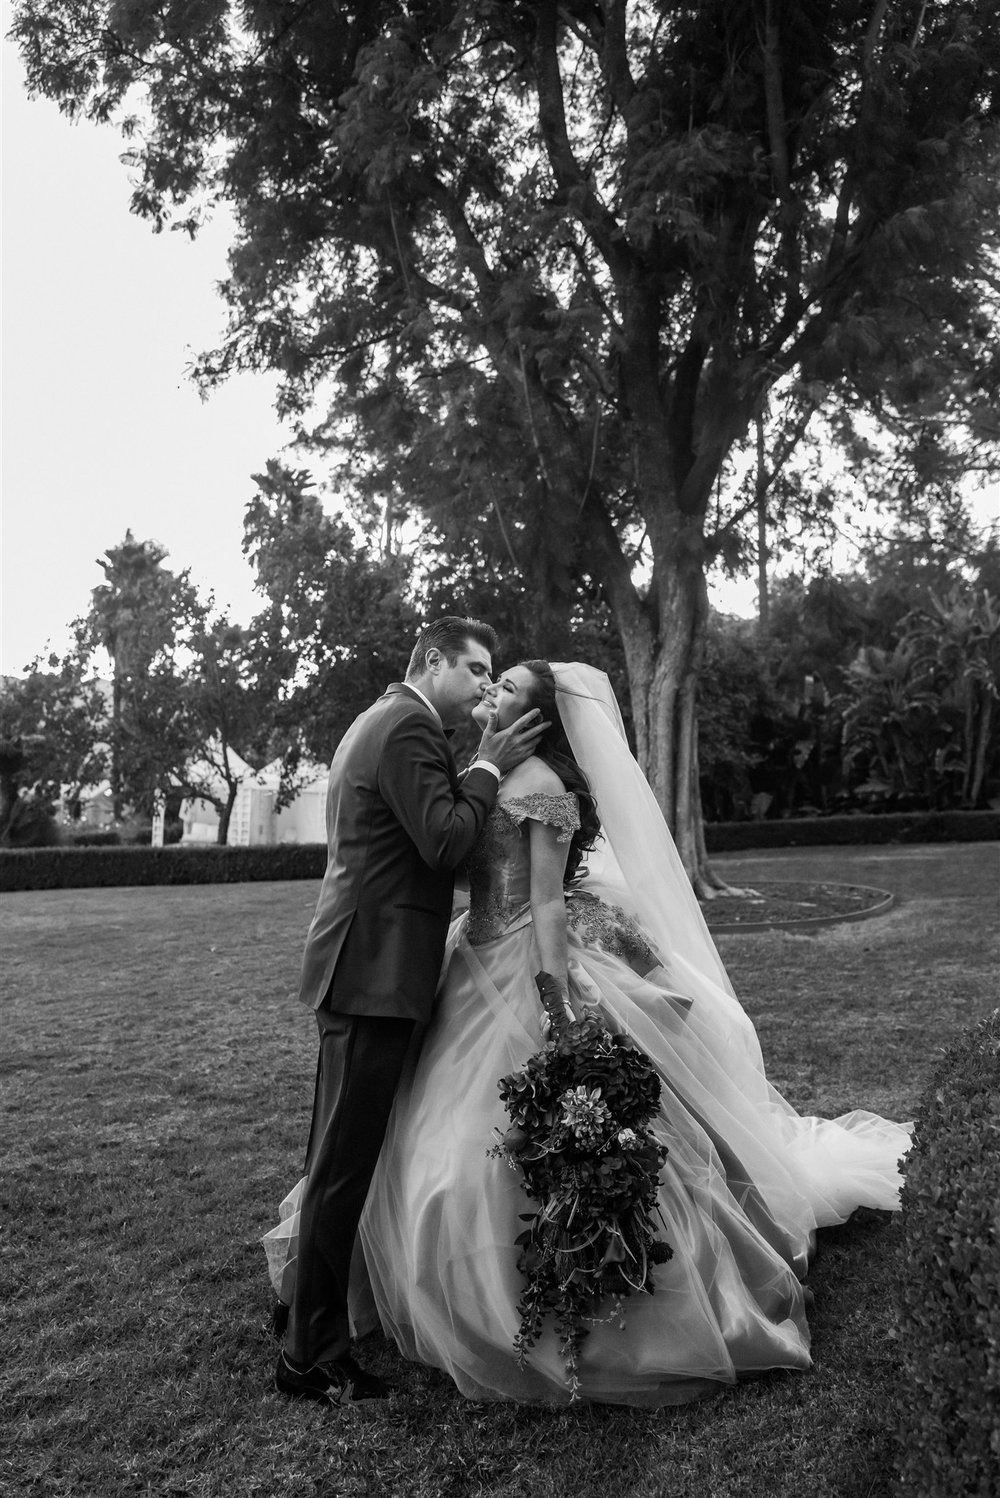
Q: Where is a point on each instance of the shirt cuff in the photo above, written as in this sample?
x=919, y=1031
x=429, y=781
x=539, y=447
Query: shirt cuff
x=485, y=764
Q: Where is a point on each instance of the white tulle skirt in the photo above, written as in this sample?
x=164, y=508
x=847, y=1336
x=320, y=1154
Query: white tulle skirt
x=746, y=1183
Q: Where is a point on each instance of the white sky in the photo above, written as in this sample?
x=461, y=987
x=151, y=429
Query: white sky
x=101, y=429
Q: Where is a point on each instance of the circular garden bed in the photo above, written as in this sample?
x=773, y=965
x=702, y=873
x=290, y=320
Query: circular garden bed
x=792, y=906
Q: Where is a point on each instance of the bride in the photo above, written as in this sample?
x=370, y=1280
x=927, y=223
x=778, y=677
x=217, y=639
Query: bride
x=576, y=877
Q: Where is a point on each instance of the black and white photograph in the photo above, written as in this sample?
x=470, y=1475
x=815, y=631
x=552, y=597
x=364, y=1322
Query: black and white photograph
x=500, y=748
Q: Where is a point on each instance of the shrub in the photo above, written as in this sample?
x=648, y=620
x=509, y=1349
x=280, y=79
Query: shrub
x=30, y=823
x=898, y=827
x=949, y=1311
x=83, y=868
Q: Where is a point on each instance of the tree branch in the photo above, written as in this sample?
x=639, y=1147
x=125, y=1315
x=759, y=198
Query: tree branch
x=841, y=228
x=786, y=447
x=621, y=84
x=503, y=529
x=593, y=456
x=581, y=199
x=608, y=563
x=531, y=420
x=774, y=103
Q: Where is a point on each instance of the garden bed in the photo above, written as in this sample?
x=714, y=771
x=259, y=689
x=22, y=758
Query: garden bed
x=801, y=904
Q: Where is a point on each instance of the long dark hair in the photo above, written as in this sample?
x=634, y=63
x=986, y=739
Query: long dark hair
x=554, y=749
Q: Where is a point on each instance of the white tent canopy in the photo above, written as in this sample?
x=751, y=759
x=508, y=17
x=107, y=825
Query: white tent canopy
x=255, y=820
x=207, y=771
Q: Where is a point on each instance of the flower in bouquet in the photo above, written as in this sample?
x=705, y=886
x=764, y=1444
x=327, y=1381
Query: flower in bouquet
x=585, y=1115
x=579, y=1133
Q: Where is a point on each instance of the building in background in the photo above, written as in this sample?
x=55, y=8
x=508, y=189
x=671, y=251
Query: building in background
x=256, y=820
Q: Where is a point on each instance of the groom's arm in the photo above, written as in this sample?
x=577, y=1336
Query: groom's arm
x=415, y=781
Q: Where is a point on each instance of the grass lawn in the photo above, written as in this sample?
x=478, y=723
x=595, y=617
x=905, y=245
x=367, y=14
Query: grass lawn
x=157, y=1081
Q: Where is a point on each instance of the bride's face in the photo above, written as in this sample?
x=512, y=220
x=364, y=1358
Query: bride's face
x=510, y=694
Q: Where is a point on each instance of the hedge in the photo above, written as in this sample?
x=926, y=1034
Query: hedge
x=948, y=1398
x=82, y=868
x=891, y=827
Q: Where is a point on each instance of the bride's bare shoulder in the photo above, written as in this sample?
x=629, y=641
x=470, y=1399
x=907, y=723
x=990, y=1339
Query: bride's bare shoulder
x=533, y=777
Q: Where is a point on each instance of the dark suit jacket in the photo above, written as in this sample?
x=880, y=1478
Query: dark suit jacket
x=398, y=824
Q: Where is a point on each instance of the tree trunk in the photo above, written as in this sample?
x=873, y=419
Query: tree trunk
x=968, y=745
x=982, y=744
x=663, y=638
x=226, y=815
x=763, y=601
x=663, y=664
x=116, y=744
x=11, y=765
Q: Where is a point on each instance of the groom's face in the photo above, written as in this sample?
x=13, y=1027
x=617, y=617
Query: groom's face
x=458, y=687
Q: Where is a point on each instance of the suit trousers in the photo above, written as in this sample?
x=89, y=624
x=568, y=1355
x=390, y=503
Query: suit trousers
x=360, y=1062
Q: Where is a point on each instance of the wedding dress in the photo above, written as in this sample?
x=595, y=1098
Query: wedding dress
x=746, y=1182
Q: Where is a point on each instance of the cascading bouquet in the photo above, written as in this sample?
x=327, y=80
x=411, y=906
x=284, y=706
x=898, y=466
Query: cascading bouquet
x=579, y=1111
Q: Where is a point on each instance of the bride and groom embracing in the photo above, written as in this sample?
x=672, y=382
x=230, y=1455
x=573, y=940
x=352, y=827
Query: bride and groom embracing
x=402, y=1218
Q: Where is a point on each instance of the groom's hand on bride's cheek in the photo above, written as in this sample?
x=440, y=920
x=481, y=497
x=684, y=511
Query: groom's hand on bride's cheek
x=507, y=747
x=529, y=728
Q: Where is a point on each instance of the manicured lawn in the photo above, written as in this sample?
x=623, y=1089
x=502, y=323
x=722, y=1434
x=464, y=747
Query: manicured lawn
x=157, y=1078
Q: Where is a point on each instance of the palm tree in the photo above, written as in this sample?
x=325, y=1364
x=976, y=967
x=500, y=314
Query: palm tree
x=134, y=615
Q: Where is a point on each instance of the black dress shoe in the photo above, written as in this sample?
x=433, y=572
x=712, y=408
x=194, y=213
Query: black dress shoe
x=338, y=1382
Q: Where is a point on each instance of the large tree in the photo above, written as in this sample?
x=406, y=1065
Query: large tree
x=555, y=256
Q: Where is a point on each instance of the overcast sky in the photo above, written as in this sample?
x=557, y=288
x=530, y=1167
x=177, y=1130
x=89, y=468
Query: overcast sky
x=102, y=431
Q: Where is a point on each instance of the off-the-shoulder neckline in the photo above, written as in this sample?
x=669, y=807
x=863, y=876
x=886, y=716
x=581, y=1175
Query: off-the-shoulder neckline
x=537, y=795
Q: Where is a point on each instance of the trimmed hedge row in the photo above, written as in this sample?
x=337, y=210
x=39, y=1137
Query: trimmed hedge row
x=892, y=827
x=84, y=868
x=948, y=1397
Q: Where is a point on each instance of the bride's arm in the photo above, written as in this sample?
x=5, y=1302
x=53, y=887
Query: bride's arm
x=548, y=905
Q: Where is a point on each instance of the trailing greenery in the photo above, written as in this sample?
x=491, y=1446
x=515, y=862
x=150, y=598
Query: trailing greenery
x=580, y=1110
x=84, y=868
x=949, y=1315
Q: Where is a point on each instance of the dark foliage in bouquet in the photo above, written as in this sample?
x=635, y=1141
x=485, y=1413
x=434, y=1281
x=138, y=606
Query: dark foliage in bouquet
x=580, y=1110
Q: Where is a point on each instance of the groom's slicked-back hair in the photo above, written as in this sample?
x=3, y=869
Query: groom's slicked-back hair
x=450, y=635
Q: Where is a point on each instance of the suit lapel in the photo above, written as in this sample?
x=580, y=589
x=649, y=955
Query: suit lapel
x=400, y=689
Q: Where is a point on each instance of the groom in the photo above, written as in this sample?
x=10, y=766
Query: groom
x=399, y=821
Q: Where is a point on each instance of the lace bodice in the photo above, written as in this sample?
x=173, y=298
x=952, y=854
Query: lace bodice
x=499, y=866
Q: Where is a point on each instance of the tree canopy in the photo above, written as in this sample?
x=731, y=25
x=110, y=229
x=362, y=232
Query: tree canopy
x=337, y=622
x=545, y=261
